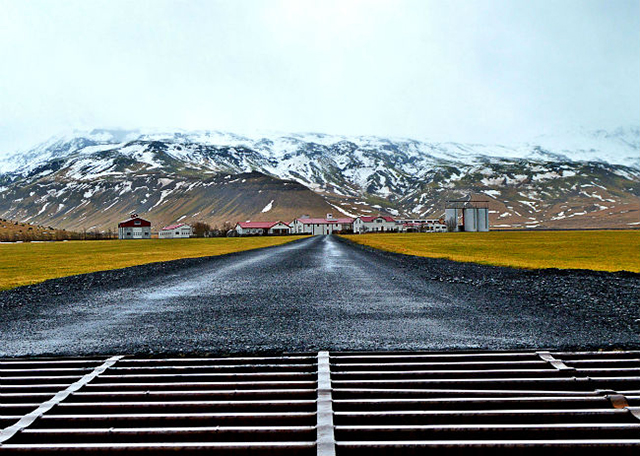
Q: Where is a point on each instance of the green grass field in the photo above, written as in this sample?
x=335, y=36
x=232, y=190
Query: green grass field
x=27, y=263
x=596, y=250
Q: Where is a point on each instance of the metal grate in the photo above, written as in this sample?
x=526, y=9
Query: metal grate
x=338, y=403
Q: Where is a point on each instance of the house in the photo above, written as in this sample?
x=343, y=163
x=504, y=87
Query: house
x=134, y=228
x=261, y=228
x=366, y=224
x=280, y=228
x=315, y=226
x=179, y=231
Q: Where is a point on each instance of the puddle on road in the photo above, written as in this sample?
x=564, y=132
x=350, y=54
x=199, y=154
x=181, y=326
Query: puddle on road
x=333, y=257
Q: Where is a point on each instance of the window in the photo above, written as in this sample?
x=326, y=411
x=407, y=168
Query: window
x=137, y=222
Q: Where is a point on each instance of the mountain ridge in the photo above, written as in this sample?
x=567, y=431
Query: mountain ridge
x=528, y=186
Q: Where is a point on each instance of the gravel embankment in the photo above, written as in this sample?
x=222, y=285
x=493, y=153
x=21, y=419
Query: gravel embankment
x=593, y=295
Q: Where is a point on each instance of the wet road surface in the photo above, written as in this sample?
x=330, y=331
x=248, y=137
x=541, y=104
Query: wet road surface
x=315, y=293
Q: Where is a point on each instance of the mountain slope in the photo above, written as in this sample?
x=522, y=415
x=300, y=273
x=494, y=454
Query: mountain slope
x=92, y=180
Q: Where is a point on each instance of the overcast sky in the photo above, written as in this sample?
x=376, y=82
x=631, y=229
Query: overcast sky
x=490, y=71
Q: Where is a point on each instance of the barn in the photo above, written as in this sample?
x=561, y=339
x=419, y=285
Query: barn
x=134, y=228
x=179, y=231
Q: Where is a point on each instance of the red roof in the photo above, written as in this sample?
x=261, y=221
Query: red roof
x=132, y=222
x=321, y=221
x=263, y=225
x=173, y=227
x=372, y=218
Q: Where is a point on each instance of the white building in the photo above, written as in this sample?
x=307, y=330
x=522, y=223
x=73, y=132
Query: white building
x=280, y=228
x=179, y=231
x=366, y=224
x=316, y=226
x=423, y=226
x=261, y=228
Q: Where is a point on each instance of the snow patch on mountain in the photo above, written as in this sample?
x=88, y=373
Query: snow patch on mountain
x=268, y=207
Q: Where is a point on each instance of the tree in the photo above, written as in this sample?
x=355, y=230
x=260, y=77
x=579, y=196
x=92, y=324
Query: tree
x=201, y=229
x=226, y=227
x=451, y=224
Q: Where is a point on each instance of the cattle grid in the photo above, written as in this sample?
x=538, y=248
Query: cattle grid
x=326, y=403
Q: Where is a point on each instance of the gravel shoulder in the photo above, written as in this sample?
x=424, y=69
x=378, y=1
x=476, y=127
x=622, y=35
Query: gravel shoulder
x=590, y=296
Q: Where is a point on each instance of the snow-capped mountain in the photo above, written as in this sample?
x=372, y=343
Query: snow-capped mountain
x=89, y=180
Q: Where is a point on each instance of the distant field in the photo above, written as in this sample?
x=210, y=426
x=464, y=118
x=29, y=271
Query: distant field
x=27, y=263
x=596, y=250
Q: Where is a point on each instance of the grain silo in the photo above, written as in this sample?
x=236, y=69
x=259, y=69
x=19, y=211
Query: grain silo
x=467, y=215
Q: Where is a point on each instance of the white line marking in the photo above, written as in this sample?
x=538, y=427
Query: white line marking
x=29, y=418
x=325, y=443
x=558, y=364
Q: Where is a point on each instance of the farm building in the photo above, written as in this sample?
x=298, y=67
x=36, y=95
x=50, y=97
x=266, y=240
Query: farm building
x=134, y=228
x=364, y=224
x=314, y=226
x=329, y=225
x=467, y=215
x=422, y=225
x=411, y=227
x=179, y=231
x=261, y=228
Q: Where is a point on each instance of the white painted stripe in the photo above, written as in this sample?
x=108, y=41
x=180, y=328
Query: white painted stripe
x=635, y=411
x=558, y=364
x=325, y=443
x=29, y=418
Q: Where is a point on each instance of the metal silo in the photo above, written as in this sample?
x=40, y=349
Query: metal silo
x=471, y=219
x=475, y=214
x=483, y=219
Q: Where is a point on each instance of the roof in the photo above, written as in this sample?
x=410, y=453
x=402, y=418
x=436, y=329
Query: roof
x=130, y=222
x=175, y=227
x=372, y=218
x=320, y=221
x=263, y=225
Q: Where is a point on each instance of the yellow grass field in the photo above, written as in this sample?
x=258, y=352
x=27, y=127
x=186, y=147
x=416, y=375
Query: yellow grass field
x=27, y=263
x=596, y=250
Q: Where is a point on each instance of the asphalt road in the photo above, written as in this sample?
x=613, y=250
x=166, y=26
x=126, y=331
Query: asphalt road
x=318, y=293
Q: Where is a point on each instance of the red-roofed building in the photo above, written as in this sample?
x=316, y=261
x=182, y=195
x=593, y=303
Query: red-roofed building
x=369, y=224
x=261, y=228
x=134, y=228
x=178, y=231
x=318, y=226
